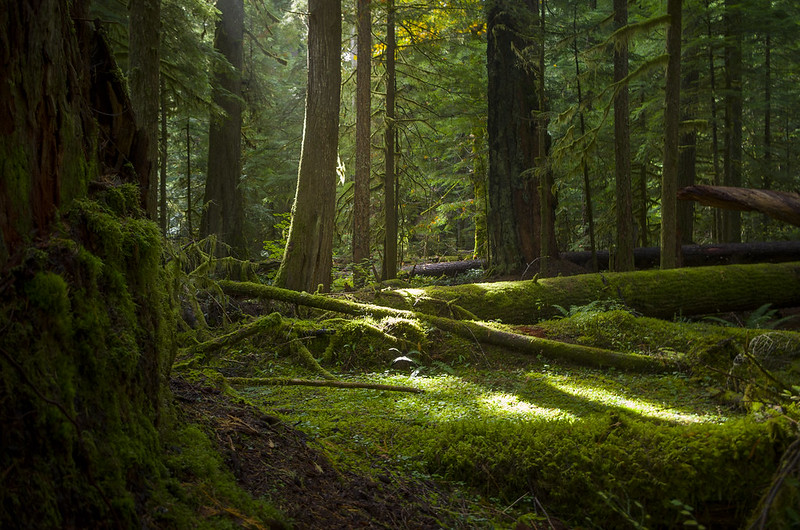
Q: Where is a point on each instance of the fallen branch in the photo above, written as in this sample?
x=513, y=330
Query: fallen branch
x=471, y=330
x=278, y=381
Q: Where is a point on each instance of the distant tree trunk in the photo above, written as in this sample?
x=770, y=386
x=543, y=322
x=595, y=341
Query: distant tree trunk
x=361, y=197
x=389, y=268
x=716, y=180
x=672, y=116
x=546, y=199
x=687, y=156
x=623, y=260
x=767, y=171
x=189, y=179
x=643, y=238
x=514, y=212
x=144, y=30
x=163, y=159
x=732, y=220
x=308, y=258
x=587, y=185
x=478, y=177
x=223, y=204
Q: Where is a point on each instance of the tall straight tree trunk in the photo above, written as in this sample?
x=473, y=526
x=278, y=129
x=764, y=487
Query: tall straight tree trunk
x=716, y=180
x=514, y=210
x=307, y=262
x=623, y=260
x=189, y=228
x=587, y=185
x=672, y=116
x=162, y=210
x=732, y=220
x=687, y=155
x=361, y=197
x=144, y=30
x=547, y=214
x=389, y=267
x=767, y=180
x=223, y=214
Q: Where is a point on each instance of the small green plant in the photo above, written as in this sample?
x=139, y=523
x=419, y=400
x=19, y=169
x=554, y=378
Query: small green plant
x=762, y=318
x=274, y=249
x=596, y=306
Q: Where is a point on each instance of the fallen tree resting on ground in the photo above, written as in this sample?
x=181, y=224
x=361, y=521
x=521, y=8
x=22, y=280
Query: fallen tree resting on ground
x=780, y=205
x=655, y=293
x=471, y=330
x=277, y=381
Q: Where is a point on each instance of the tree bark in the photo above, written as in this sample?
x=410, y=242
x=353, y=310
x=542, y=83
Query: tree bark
x=655, y=293
x=669, y=179
x=389, y=267
x=781, y=205
x=307, y=261
x=514, y=210
x=144, y=34
x=223, y=203
x=623, y=257
x=732, y=177
x=361, y=198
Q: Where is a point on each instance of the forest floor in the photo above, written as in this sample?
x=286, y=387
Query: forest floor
x=272, y=459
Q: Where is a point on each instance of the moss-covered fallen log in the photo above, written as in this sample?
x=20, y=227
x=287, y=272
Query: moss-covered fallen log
x=480, y=332
x=278, y=381
x=656, y=293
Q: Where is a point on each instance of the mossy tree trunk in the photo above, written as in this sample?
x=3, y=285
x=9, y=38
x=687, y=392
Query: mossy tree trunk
x=85, y=324
x=308, y=259
x=361, y=195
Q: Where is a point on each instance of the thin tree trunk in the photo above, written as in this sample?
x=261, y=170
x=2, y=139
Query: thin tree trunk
x=361, y=198
x=732, y=220
x=223, y=208
x=389, y=184
x=669, y=179
x=623, y=260
x=587, y=185
x=189, y=179
x=163, y=159
x=767, y=170
x=144, y=30
x=716, y=180
x=545, y=187
x=308, y=259
x=687, y=155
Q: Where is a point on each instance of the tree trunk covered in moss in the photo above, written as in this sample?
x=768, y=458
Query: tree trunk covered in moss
x=661, y=294
x=514, y=214
x=223, y=204
x=86, y=328
x=471, y=330
x=308, y=259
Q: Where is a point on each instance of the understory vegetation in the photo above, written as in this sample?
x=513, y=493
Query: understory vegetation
x=529, y=439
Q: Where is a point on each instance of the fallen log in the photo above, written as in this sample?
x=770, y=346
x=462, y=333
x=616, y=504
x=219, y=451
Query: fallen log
x=781, y=205
x=655, y=293
x=278, y=381
x=483, y=333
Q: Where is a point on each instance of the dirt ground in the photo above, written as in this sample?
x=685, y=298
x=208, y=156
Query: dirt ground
x=270, y=458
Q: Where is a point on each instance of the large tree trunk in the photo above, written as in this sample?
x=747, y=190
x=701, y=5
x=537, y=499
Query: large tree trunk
x=623, y=258
x=85, y=334
x=223, y=213
x=144, y=35
x=361, y=199
x=308, y=258
x=656, y=293
x=514, y=212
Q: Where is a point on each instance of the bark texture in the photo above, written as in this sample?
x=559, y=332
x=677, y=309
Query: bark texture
x=670, y=244
x=655, y=293
x=623, y=258
x=514, y=211
x=361, y=199
x=223, y=213
x=308, y=258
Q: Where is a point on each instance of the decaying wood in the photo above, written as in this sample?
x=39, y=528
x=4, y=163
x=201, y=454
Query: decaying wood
x=655, y=293
x=780, y=205
x=470, y=330
x=278, y=381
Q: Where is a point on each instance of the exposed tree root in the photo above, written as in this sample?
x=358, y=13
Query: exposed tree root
x=267, y=381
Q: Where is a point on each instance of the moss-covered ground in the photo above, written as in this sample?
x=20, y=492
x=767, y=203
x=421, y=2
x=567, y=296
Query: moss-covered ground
x=510, y=439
